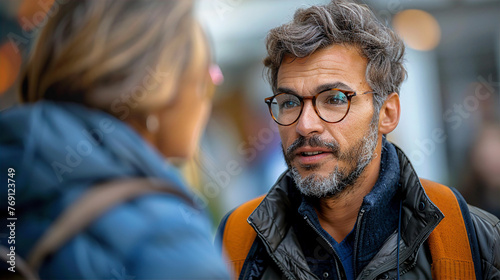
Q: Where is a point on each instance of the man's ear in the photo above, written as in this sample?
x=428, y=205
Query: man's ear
x=389, y=114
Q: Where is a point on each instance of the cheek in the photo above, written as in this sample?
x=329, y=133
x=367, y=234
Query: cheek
x=182, y=132
x=286, y=135
x=200, y=119
x=353, y=128
x=342, y=133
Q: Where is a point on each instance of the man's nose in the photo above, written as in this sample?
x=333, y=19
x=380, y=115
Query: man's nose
x=309, y=122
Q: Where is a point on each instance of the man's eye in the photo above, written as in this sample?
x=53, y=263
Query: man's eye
x=289, y=104
x=338, y=99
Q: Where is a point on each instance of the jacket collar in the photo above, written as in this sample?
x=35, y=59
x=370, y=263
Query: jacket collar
x=420, y=215
x=272, y=218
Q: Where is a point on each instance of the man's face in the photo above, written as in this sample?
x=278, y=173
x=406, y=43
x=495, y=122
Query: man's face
x=345, y=148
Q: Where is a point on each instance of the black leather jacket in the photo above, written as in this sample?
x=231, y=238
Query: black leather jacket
x=276, y=253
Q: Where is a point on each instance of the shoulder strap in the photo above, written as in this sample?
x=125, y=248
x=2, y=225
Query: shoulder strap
x=95, y=202
x=238, y=235
x=449, y=242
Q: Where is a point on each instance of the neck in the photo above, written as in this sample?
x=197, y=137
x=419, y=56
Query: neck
x=337, y=215
x=138, y=124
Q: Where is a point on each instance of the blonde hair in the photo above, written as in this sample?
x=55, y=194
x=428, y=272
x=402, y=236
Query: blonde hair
x=123, y=57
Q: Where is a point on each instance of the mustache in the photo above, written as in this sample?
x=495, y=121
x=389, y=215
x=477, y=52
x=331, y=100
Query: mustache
x=313, y=141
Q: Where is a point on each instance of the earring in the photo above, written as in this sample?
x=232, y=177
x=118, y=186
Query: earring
x=152, y=123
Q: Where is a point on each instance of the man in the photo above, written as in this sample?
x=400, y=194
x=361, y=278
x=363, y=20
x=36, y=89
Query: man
x=350, y=205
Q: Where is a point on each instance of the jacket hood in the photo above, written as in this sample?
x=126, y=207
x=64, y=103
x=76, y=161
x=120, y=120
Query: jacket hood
x=56, y=146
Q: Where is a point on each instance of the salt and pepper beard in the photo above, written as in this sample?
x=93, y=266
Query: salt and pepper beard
x=339, y=180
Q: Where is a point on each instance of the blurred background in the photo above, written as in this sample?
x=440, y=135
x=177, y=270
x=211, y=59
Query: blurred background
x=450, y=125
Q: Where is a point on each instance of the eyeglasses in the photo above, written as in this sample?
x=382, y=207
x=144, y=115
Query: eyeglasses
x=331, y=105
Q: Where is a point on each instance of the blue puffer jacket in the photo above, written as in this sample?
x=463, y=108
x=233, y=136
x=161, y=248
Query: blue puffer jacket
x=58, y=151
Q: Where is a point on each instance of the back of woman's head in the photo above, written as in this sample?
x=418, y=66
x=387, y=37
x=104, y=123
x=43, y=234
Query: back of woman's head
x=123, y=57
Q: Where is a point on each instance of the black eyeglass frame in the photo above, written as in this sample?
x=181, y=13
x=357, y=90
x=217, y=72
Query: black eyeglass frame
x=348, y=93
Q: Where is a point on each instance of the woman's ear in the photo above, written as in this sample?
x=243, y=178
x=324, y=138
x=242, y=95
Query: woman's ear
x=389, y=114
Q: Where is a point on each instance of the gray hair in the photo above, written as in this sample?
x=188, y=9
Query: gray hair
x=341, y=22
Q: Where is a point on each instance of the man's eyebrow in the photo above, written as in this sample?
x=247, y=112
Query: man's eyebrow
x=319, y=89
x=328, y=86
x=285, y=90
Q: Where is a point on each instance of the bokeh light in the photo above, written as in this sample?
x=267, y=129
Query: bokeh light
x=419, y=29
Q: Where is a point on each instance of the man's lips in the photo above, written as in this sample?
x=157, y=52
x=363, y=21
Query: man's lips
x=312, y=155
x=310, y=151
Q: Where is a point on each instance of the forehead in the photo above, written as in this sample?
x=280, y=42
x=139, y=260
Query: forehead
x=336, y=64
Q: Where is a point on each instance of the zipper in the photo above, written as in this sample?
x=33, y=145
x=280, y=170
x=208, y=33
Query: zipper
x=358, y=228
x=337, y=258
x=409, y=267
x=404, y=257
x=280, y=266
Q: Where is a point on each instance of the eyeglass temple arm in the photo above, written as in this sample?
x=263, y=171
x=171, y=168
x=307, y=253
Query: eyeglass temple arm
x=366, y=92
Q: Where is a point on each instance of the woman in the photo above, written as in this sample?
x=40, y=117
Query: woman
x=110, y=88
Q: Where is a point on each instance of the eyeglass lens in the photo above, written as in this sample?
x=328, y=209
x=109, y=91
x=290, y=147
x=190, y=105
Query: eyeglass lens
x=331, y=105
